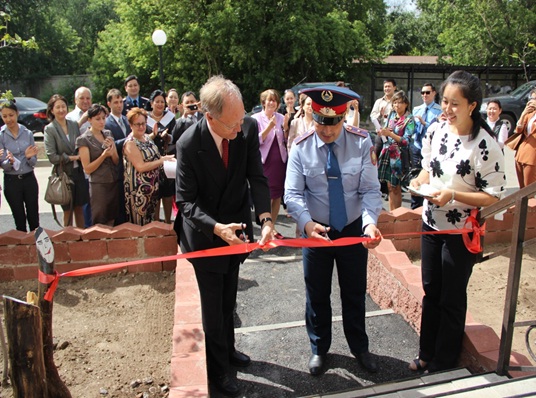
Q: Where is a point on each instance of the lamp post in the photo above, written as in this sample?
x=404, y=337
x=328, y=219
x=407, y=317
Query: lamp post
x=159, y=39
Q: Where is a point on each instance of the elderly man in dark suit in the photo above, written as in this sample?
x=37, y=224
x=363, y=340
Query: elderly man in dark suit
x=217, y=159
x=117, y=123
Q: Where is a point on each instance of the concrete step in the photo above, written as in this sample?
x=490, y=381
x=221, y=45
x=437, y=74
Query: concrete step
x=520, y=387
x=400, y=385
x=459, y=383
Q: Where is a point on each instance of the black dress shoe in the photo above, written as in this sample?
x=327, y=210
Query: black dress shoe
x=316, y=364
x=239, y=359
x=227, y=385
x=368, y=361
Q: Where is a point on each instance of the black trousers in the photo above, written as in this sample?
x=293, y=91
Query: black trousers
x=218, y=299
x=416, y=158
x=351, y=264
x=446, y=267
x=22, y=195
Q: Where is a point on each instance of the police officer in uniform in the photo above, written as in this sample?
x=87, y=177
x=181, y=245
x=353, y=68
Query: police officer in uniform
x=332, y=191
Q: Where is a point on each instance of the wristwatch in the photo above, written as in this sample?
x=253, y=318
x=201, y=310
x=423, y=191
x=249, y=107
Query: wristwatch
x=265, y=219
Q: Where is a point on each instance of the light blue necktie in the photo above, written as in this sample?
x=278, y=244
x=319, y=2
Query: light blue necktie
x=337, y=208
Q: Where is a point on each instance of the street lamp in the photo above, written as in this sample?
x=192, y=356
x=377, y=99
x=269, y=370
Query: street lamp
x=159, y=39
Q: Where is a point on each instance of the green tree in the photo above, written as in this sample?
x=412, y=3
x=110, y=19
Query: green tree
x=258, y=44
x=475, y=32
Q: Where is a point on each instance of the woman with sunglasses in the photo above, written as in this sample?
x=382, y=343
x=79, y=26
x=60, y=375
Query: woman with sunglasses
x=143, y=168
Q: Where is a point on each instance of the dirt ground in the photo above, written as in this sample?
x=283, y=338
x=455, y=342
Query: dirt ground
x=113, y=332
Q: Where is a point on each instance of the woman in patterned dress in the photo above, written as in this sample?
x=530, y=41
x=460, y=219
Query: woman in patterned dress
x=395, y=135
x=143, y=167
x=464, y=167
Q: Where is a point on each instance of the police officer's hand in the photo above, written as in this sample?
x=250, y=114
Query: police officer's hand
x=372, y=231
x=228, y=233
x=315, y=230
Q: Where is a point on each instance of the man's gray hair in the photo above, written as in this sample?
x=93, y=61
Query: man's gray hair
x=80, y=90
x=214, y=92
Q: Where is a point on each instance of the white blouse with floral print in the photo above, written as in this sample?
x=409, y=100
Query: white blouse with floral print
x=459, y=163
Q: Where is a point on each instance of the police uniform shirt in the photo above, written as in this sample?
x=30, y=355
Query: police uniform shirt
x=306, y=184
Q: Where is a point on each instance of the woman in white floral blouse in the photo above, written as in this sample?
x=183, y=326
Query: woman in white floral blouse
x=463, y=167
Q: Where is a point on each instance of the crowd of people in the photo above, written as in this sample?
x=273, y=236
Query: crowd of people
x=314, y=159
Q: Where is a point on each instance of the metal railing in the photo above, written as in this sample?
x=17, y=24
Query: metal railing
x=520, y=200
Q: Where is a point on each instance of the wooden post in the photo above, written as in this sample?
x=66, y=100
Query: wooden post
x=23, y=330
x=45, y=250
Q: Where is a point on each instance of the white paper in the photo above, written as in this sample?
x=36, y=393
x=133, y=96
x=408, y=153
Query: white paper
x=424, y=190
x=16, y=164
x=376, y=124
x=170, y=168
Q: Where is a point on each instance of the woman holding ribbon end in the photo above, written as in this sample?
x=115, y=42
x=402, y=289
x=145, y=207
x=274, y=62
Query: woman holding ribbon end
x=463, y=170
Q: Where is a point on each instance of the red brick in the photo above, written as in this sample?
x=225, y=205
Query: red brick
x=200, y=391
x=123, y=248
x=127, y=230
x=6, y=274
x=61, y=252
x=98, y=231
x=186, y=292
x=409, y=276
x=185, y=273
x=187, y=313
x=188, y=338
x=29, y=239
x=66, y=234
x=147, y=267
x=12, y=237
x=87, y=251
x=188, y=369
x=158, y=228
x=399, y=270
x=480, y=338
x=66, y=267
x=17, y=254
x=403, y=213
x=160, y=246
x=169, y=265
x=25, y=273
x=386, y=245
x=90, y=265
x=404, y=226
x=385, y=216
x=415, y=288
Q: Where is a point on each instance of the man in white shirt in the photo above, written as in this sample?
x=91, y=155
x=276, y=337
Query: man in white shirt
x=82, y=100
x=381, y=110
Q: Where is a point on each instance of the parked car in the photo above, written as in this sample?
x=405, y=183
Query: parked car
x=32, y=113
x=512, y=104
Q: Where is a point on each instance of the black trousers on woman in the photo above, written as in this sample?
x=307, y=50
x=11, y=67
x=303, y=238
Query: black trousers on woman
x=446, y=267
x=22, y=194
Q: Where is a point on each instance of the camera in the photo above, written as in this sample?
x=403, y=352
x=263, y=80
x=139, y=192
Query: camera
x=193, y=107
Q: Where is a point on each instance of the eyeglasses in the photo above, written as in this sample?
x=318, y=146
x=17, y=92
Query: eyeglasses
x=233, y=127
x=426, y=92
x=142, y=124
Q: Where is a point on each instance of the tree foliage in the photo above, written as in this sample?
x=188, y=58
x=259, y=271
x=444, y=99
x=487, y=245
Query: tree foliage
x=258, y=44
x=475, y=32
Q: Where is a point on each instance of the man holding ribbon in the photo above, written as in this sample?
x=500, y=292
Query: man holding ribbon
x=332, y=191
x=218, y=165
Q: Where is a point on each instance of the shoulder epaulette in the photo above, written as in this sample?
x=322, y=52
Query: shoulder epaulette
x=304, y=136
x=356, y=130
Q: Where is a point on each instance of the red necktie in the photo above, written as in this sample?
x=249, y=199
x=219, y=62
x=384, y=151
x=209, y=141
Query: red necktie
x=225, y=152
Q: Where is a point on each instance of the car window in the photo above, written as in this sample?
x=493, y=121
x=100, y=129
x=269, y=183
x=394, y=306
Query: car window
x=29, y=103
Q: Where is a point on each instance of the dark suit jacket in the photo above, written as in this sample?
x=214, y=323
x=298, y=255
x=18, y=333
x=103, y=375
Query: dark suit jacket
x=119, y=138
x=143, y=104
x=207, y=193
x=183, y=124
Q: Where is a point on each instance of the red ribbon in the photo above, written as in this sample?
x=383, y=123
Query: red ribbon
x=473, y=245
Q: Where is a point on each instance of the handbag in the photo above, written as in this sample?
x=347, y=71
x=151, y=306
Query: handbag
x=59, y=185
x=515, y=140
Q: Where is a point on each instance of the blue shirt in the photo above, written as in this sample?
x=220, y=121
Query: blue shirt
x=306, y=184
x=17, y=146
x=434, y=110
